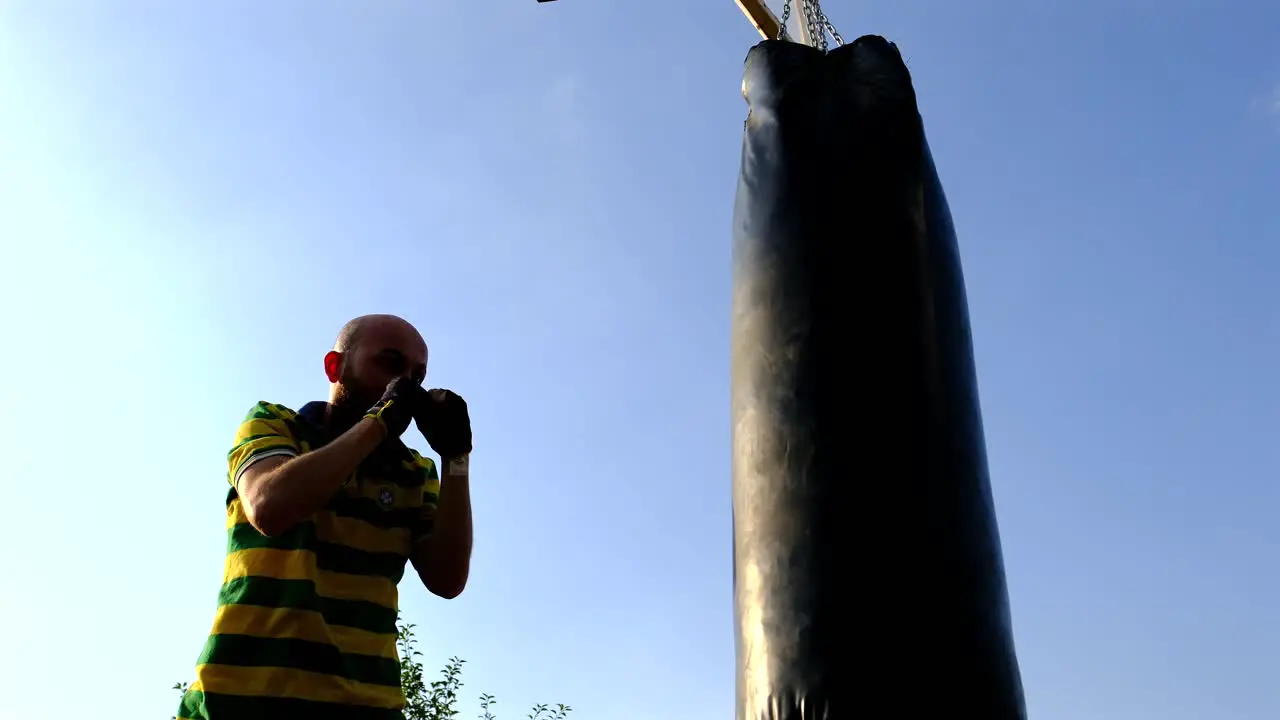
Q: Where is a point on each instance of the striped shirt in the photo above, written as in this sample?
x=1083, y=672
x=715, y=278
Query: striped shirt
x=306, y=619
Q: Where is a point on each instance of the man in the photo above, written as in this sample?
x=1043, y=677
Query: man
x=326, y=507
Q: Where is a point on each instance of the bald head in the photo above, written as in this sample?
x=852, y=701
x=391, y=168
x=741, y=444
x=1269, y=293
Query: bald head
x=371, y=351
x=350, y=333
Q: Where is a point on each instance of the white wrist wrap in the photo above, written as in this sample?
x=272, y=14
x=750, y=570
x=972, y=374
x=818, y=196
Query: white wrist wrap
x=458, y=466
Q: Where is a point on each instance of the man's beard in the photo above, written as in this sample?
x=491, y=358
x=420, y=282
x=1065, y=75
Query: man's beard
x=346, y=408
x=351, y=400
x=353, y=395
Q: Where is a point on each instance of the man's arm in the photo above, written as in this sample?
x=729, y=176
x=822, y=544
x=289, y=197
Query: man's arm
x=277, y=492
x=443, y=557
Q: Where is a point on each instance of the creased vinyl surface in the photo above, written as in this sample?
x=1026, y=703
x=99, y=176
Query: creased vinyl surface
x=868, y=578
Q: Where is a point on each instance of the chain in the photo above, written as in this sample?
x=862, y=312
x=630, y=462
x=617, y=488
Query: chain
x=827, y=26
x=819, y=26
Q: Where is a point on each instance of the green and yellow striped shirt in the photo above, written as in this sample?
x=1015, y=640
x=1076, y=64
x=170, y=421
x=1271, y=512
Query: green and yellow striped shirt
x=306, y=620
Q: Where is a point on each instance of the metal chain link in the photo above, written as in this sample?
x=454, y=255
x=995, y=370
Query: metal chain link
x=827, y=25
x=819, y=25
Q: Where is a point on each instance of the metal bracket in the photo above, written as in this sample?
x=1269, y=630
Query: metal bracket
x=765, y=22
x=768, y=24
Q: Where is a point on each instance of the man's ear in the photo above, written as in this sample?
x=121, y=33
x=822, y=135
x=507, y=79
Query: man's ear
x=333, y=366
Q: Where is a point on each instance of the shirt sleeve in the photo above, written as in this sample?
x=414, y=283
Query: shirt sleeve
x=265, y=432
x=426, y=519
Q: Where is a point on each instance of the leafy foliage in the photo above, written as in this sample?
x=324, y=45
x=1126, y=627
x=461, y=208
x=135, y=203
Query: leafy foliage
x=439, y=699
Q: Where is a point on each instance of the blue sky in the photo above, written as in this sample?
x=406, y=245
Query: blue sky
x=195, y=196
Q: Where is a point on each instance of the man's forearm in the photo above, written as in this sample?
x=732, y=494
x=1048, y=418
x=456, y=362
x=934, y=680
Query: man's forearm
x=445, y=558
x=298, y=488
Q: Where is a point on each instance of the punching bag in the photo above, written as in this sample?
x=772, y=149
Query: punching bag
x=868, y=578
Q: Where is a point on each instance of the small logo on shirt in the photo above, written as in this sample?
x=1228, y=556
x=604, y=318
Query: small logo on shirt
x=386, y=498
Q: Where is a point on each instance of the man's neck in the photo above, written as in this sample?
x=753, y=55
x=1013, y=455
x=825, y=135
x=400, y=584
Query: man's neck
x=341, y=417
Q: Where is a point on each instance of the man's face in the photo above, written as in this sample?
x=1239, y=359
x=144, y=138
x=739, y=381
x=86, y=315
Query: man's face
x=382, y=353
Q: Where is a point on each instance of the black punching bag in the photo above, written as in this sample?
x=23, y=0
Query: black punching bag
x=868, y=578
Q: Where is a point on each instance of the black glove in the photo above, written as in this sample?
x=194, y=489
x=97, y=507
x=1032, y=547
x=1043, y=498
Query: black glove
x=402, y=399
x=442, y=418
